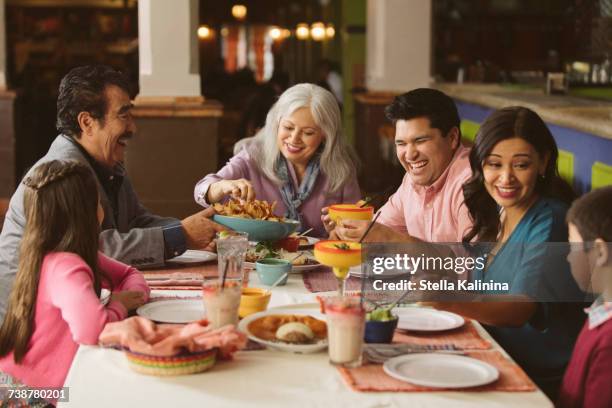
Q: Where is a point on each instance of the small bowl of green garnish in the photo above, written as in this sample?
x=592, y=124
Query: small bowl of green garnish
x=380, y=325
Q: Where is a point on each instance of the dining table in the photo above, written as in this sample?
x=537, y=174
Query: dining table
x=101, y=377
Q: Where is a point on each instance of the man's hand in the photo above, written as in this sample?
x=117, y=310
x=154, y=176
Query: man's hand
x=130, y=299
x=200, y=230
x=240, y=188
x=353, y=230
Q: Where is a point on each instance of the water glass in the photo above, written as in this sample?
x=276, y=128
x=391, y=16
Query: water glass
x=231, y=251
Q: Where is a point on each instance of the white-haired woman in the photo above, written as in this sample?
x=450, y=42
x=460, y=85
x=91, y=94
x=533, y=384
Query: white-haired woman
x=299, y=159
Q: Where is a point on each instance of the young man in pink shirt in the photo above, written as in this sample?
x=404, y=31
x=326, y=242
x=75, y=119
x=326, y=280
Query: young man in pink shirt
x=429, y=204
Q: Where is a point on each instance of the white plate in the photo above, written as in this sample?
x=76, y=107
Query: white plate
x=193, y=256
x=441, y=370
x=173, y=311
x=311, y=310
x=425, y=319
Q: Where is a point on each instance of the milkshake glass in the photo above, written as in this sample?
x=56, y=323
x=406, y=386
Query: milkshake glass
x=221, y=303
x=345, y=330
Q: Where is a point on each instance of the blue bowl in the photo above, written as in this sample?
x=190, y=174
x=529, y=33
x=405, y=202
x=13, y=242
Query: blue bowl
x=269, y=270
x=380, y=332
x=258, y=230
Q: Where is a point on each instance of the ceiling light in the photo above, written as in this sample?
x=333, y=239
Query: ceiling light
x=239, y=11
x=302, y=32
x=317, y=31
x=204, y=32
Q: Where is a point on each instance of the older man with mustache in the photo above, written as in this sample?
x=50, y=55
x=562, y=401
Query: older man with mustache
x=95, y=121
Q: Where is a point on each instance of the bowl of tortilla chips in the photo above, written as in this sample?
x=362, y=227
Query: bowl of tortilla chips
x=256, y=218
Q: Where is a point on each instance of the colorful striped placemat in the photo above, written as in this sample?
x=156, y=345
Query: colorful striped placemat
x=323, y=280
x=465, y=337
x=179, y=278
x=372, y=378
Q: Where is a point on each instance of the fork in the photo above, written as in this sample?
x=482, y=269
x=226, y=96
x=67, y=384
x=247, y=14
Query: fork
x=379, y=355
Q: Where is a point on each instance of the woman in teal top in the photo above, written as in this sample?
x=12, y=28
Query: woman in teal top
x=518, y=202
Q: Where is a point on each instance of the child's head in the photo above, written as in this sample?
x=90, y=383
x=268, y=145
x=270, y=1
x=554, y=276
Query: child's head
x=590, y=231
x=61, y=207
x=62, y=215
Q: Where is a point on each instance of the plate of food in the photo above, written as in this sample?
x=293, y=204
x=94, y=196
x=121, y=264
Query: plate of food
x=302, y=260
x=294, y=329
x=256, y=218
x=295, y=242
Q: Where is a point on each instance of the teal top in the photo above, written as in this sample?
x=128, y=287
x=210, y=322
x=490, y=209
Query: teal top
x=535, y=268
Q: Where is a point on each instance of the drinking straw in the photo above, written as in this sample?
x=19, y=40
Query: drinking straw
x=363, y=279
x=368, y=200
x=369, y=227
x=305, y=232
x=224, y=273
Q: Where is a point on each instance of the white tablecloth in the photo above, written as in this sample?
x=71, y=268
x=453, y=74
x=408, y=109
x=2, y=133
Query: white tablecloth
x=101, y=378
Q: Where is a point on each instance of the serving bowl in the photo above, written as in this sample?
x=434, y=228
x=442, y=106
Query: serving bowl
x=258, y=230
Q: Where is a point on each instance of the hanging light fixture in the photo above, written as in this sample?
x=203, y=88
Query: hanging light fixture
x=317, y=31
x=286, y=33
x=239, y=11
x=330, y=31
x=204, y=32
x=302, y=32
x=275, y=33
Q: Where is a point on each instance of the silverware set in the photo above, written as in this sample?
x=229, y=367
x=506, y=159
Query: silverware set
x=379, y=353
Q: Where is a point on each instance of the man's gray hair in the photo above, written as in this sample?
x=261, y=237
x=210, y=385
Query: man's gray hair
x=338, y=160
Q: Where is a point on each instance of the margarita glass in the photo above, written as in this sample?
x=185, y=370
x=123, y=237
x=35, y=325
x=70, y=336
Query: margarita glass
x=340, y=255
x=338, y=212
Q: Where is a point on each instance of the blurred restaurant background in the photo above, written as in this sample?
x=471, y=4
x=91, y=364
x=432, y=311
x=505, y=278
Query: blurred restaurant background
x=206, y=72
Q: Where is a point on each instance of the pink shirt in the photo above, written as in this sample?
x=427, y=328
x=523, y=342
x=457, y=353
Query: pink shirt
x=241, y=166
x=435, y=213
x=68, y=313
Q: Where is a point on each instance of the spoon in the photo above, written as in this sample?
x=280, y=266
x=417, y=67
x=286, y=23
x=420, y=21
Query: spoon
x=304, y=233
x=279, y=280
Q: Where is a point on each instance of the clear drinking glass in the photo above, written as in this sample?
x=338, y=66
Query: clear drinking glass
x=345, y=329
x=231, y=251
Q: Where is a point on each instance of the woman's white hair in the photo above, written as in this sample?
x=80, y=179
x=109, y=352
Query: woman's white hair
x=338, y=160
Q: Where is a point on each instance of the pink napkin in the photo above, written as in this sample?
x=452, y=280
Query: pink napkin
x=141, y=335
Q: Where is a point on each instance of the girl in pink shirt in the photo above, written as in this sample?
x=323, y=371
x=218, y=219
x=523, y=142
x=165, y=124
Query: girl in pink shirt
x=54, y=304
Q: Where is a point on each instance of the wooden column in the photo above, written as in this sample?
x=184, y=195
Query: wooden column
x=177, y=132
